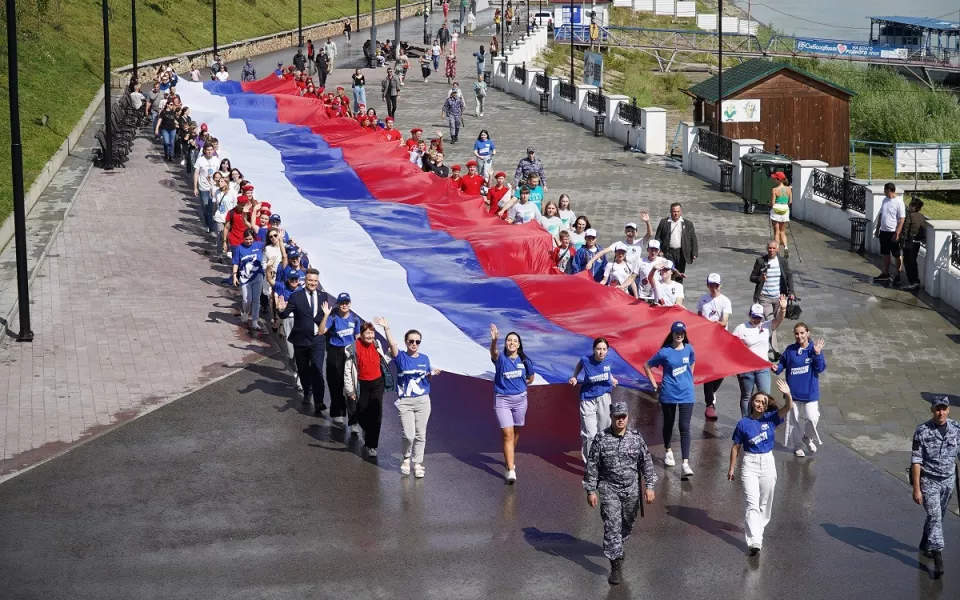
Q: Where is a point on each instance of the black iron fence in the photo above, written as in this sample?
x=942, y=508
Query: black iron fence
x=542, y=81
x=840, y=190
x=567, y=91
x=520, y=73
x=955, y=250
x=709, y=142
x=597, y=101
x=631, y=113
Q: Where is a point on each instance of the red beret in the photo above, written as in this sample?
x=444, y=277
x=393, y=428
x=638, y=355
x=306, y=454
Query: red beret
x=472, y=163
x=339, y=88
x=455, y=168
x=389, y=119
x=500, y=174
x=247, y=188
x=416, y=130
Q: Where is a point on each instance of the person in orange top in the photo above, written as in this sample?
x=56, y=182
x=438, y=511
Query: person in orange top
x=498, y=192
x=471, y=182
x=455, y=175
x=392, y=134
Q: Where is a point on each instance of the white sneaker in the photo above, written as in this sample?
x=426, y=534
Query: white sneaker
x=687, y=471
x=511, y=476
x=355, y=429
x=811, y=446
x=372, y=452
x=799, y=453
x=299, y=385
x=668, y=459
x=405, y=467
x=339, y=420
x=418, y=471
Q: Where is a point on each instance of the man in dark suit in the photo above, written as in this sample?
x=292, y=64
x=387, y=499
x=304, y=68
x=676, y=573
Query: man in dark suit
x=678, y=239
x=310, y=312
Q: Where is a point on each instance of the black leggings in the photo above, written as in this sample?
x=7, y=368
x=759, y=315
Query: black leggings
x=336, y=359
x=370, y=410
x=669, y=418
x=710, y=391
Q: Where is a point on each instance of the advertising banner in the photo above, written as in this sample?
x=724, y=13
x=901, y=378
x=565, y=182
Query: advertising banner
x=837, y=48
x=921, y=159
x=593, y=68
x=740, y=111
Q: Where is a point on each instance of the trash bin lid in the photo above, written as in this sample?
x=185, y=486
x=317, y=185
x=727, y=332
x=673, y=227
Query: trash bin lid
x=763, y=158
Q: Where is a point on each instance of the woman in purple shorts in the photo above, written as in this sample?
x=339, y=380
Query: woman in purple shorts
x=514, y=372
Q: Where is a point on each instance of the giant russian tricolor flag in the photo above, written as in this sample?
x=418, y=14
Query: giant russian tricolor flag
x=409, y=247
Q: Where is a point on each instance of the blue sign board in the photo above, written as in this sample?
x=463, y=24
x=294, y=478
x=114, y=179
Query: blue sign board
x=593, y=68
x=838, y=48
x=577, y=14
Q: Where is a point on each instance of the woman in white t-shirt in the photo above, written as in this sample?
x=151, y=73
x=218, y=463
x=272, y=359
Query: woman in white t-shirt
x=715, y=307
x=578, y=232
x=755, y=333
x=194, y=73
x=567, y=216
x=224, y=199
x=223, y=75
x=618, y=273
x=667, y=291
x=551, y=221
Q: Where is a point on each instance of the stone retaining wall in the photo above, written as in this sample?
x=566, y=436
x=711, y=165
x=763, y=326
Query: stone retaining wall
x=257, y=46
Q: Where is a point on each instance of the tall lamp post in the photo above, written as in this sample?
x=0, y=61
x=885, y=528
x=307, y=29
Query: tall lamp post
x=503, y=27
x=133, y=25
x=300, y=23
x=358, y=17
x=396, y=29
x=571, y=43
x=373, y=26
x=107, y=162
x=717, y=110
x=214, y=27
x=16, y=164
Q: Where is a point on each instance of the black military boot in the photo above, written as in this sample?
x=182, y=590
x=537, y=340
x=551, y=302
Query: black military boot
x=616, y=571
x=937, y=563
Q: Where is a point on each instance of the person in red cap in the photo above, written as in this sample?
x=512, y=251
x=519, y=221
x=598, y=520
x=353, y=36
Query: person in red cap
x=455, y=175
x=497, y=192
x=236, y=221
x=290, y=75
x=310, y=91
x=392, y=134
x=416, y=156
x=416, y=134
x=471, y=183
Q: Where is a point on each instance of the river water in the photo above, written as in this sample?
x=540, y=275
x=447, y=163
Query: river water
x=842, y=19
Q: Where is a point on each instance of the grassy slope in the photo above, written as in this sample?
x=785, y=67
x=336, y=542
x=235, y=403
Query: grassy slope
x=61, y=56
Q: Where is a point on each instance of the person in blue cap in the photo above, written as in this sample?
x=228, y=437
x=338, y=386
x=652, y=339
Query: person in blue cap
x=755, y=435
x=598, y=383
x=932, y=474
x=617, y=456
x=677, y=360
x=342, y=328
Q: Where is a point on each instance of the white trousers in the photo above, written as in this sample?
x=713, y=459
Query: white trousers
x=758, y=473
x=594, y=417
x=286, y=328
x=802, y=424
x=414, y=414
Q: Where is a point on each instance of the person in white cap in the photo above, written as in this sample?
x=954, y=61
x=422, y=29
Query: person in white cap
x=589, y=257
x=715, y=307
x=645, y=267
x=755, y=333
x=666, y=291
x=630, y=243
x=619, y=273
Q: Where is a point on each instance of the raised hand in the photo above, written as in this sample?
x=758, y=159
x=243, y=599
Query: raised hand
x=494, y=332
x=783, y=302
x=281, y=303
x=818, y=345
x=783, y=386
x=325, y=307
x=381, y=322
x=644, y=216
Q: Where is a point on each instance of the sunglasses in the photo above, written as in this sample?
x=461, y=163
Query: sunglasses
x=273, y=237
x=417, y=342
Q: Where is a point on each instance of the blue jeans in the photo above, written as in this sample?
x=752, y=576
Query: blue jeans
x=206, y=206
x=436, y=63
x=359, y=97
x=168, y=136
x=759, y=379
x=670, y=413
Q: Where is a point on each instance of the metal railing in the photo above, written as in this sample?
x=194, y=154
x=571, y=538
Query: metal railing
x=503, y=67
x=631, y=113
x=709, y=142
x=597, y=101
x=520, y=73
x=955, y=250
x=567, y=91
x=542, y=81
x=840, y=190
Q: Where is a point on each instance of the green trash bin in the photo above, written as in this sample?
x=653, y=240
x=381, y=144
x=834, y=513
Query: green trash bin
x=756, y=181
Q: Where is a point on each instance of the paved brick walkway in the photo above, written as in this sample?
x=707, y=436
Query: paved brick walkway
x=127, y=311
x=884, y=347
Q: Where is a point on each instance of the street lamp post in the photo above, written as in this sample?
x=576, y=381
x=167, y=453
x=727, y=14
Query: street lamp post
x=396, y=29
x=133, y=25
x=373, y=26
x=300, y=23
x=503, y=27
x=214, y=27
x=107, y=162
x=719, y=107
x=16, y=164
x=571, y=43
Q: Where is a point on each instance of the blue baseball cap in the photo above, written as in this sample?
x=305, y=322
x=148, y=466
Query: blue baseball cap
x=293, y=275
x=678, y=327
x=344, y=297
x=274, y=217
x=293, y=255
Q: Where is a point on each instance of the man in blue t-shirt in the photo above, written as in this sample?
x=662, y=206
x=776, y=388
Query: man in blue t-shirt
x=588, y=251
x=342, y=329
x=293, y=266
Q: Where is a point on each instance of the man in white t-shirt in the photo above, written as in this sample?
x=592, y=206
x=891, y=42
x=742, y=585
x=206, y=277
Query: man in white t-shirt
x=713, y=306
x=203, y=171
x=632, y=245
x=666, y=290
x=755, y=333
x=889, y=226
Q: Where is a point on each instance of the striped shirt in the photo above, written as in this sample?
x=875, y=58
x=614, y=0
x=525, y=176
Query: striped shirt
x=771, y=287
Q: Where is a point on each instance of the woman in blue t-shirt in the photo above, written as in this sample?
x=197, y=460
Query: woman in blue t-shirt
x=677, y=359
x=413, y=395
x=514, y=372
x=598, y=382
x=484, y=149
x=248, y=276
x=755, y=434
